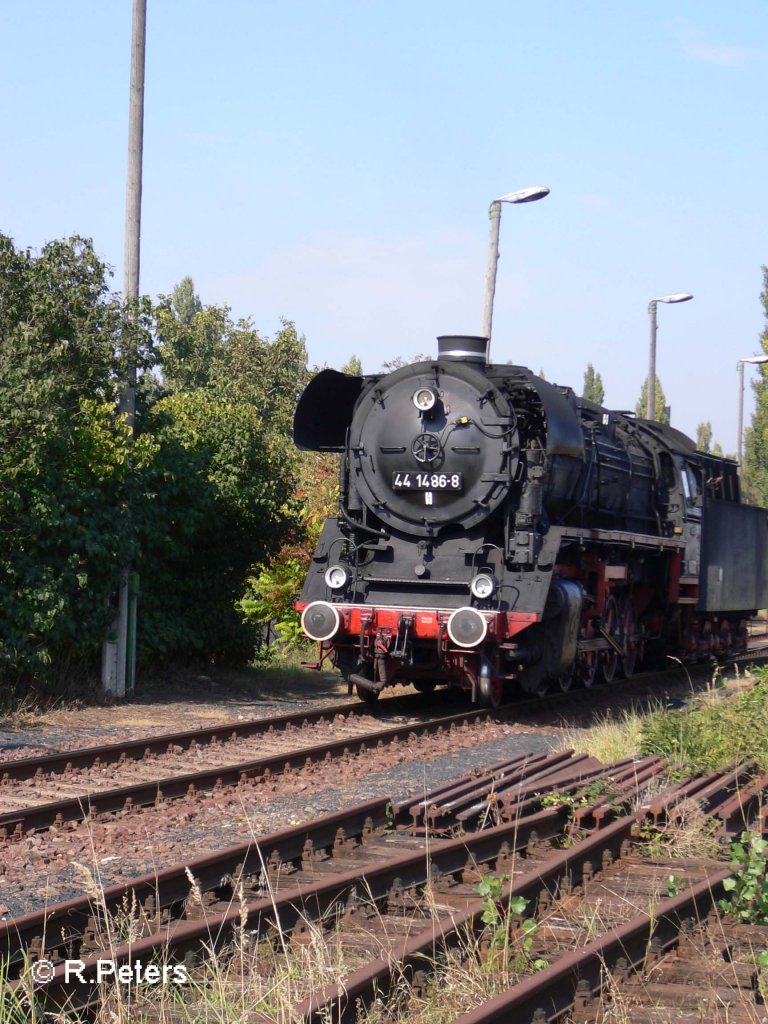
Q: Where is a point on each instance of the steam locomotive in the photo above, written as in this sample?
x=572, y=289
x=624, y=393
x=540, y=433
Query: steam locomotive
x=494, y=528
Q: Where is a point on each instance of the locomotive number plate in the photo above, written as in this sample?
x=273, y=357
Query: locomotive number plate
x=408, y=481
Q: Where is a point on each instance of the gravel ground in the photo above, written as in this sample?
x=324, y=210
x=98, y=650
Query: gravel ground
x=168, y=704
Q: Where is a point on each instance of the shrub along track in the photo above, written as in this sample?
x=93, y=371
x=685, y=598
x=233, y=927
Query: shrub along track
x=395, y=885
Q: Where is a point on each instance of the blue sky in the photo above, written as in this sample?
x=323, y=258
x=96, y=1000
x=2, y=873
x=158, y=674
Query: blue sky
x=333, y=163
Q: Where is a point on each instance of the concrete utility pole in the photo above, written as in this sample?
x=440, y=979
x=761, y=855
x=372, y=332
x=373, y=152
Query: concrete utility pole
x=135, y=157
x=525, y=195
x=119, y=673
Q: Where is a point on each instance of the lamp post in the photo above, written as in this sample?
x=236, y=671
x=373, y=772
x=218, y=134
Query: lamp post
x=525, y=195
x=740, y=368
x=679, y=297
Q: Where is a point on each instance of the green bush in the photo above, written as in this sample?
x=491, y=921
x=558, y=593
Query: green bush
x=203, y=494
x=713, y=733
x=63, y=458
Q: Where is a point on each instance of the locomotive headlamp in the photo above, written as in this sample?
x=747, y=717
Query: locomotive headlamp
x=467, y=627
x=336, y=577
x=482, y=585
x=320, y=620
x=424, y=399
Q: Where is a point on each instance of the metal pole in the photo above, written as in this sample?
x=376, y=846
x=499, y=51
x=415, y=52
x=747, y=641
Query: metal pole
x=126, y=637
x=740, y=435
x=651, y=403
x=494, y=213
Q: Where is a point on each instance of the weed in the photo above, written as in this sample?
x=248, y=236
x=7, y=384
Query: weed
x=748, y=886
x=688, y=832
x=674, y=883
x=523, y=960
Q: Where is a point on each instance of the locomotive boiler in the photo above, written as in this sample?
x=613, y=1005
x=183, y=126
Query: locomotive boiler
x=494, y=528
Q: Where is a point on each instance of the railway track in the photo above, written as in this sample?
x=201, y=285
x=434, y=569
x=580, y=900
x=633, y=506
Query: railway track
x=397, y=884
x=65, y=788
x=293, y=743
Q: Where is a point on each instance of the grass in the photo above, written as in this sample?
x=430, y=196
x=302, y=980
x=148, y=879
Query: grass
x=611, y=738
x=262, y=982
x=716, y=728
x=689, y=833
x=711, y=731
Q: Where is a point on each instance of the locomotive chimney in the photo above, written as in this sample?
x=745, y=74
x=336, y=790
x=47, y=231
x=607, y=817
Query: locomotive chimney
x=468, y=348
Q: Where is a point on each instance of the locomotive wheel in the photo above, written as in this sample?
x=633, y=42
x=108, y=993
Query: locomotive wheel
x=609, y=659
x=628, y=663
x=491, y=691
x=369, y=696
x=490, y=685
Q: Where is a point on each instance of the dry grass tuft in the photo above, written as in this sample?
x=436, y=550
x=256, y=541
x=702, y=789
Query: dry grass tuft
x=611, y=738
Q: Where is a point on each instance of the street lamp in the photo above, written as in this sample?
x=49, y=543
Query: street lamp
x=740, y=368
x=525, y=195
x=651, y=404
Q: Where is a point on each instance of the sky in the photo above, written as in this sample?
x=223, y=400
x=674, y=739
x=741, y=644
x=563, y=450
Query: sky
x=332, y=163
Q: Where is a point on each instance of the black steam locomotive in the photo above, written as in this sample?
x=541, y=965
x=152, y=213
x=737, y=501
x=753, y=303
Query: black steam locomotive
x=493, y=527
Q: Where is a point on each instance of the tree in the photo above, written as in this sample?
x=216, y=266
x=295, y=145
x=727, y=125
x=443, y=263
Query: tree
x=273, y=586
x=205, y=492
x=222, y=490
x=225, y=474
x=190, y=337
x=353, y=367
x=755, y=469
x=660, y=415
x=704, y=436
x=63, y=455
x=185, y=302
x=268, y=375
x=390, y=365
x=593, y=386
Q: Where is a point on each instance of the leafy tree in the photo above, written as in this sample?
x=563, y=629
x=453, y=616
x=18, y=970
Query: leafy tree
x=268, y=375
x=185, y=302
x=226, y=467
x=661, y=415
x=390, y=365
x=63, y=453
x=353, y=367
x=224, y=494
x=274, y=586
x=755, y=469
x=189, y=339
x=204, y=493
x=593, y=386
x=704, y=436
